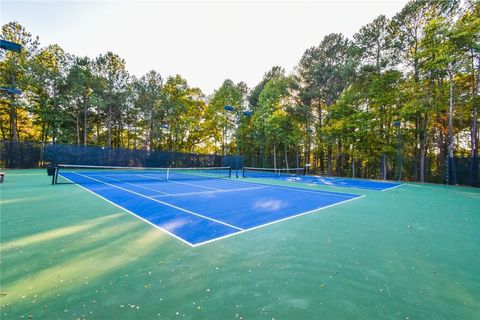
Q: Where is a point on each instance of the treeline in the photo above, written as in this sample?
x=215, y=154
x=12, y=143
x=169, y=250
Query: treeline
x=341, y=110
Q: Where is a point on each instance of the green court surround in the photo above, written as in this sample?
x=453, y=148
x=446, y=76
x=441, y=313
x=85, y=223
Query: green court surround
x=412, y=252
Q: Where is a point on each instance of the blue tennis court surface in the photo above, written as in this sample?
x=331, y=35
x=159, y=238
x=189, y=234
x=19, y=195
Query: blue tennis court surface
x=329, y=181
x=350, y=183
x=199, y=211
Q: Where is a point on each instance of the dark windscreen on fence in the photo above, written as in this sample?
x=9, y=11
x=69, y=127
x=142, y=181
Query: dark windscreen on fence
x=24, y=155
x=104, y=156
x=464, y=171
x=21, y=155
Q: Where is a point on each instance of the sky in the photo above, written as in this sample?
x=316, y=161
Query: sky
x=204, y=42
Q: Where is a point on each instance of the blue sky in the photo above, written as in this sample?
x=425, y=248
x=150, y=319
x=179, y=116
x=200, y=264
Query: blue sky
x=205, y=42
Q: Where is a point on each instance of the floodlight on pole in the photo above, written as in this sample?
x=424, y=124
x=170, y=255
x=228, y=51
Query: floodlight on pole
x=10, y=46
x=239, y=115
x=11, y=90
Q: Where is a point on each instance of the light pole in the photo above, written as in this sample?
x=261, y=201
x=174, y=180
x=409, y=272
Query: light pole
x=239, y=114
x=15, y=47
x=399, y=150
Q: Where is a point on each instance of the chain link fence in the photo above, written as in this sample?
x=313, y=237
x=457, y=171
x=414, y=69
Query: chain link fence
x=24, y=155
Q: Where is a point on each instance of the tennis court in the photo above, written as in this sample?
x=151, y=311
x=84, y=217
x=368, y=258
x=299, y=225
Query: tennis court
x=198, y=206
x=298, y=175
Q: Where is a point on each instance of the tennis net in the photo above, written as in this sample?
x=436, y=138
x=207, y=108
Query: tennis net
x=251, y=172
x=61, y=173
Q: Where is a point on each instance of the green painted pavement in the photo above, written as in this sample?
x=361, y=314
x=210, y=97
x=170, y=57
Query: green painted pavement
x=408, y=253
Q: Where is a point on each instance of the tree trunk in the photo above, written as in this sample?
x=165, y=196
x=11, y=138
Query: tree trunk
x=77, y=124
x=150, y=134
x=43, y=132
x=118, y=135
x=418, y=121
x=474, y=133
x=322, y=160
x=274, y=157
x=416, y=148
x=260, y=155
x=119, y=142
x=352, y=159
x=286, y=157
x=224, y=150
x=97, y=127
x=329, y=156
x=97, y=137
x=55, y=112
x=353, y=167
x=451, y=141
x=13, y=113
x=4, y=134
x=297, y=158
x=339, y=158
x=13, y=119
x=423, y=138
x=308, y=146
x=109, y=125
x=384, y=166
x=85, y=121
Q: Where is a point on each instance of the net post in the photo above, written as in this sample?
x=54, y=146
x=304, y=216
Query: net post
x=230, y=172
x=52, y=171
x=168, y=174
x=55, y=175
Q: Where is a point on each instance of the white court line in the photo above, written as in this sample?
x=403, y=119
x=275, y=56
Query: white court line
x=208, y=192
x=188, y=184
x=276, y=221
x=137, y=185
x=164, y=203
x=393, y=187
x=274, y=186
